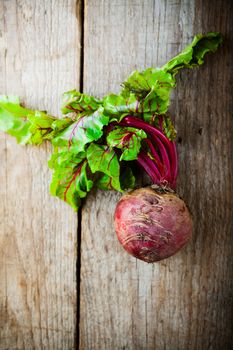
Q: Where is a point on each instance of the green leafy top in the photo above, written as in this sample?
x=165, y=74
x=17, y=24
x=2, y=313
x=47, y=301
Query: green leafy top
x=27, y=126
x=95, y=139
x=75, y=101
x=126, y=139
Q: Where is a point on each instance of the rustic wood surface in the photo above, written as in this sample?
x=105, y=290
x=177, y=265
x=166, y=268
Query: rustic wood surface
x=39, y=59
x=182, y=303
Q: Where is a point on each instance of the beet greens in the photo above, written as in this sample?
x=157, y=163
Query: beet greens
x=98, y=141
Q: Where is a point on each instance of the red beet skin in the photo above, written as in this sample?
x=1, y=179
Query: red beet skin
x=152, y=224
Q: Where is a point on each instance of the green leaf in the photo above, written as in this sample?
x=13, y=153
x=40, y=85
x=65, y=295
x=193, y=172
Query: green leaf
x=117, y=105
x=153, y=103
x=152, y=87
x=127, y=178
x=27, y=126
x=71, y=179
x=13, y=118
x=193, y=55
x=75, y=101
x=168, y=128
x=128, y=140
x=11, y=104
x=104, y=183
x=60, y=124
x=103, y=159
x=40, y=128
x=164, y=123
x=85, y=130
x=141, y=83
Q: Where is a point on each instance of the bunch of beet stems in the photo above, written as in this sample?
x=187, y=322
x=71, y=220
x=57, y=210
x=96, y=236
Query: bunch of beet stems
x=163, y=167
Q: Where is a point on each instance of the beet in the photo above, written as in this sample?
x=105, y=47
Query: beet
x=152, y=223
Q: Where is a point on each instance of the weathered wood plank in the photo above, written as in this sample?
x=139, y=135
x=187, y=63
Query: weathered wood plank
x=40, y=59
x=184, y=302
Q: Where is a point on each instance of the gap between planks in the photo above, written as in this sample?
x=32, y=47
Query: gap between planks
x=80, y=13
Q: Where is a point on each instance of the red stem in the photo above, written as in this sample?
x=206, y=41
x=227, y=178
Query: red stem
x=166, y=147
x=156, y=156
x=129, y=120
x=166, y=161
x=174, y=168
x=150, y=167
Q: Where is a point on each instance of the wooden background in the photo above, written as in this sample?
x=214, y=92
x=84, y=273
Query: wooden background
x=65, y=282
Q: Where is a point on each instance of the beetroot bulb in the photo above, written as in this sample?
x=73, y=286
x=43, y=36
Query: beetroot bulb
x=153, y=223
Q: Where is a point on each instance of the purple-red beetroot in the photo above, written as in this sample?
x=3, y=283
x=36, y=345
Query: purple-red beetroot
x=152, y=224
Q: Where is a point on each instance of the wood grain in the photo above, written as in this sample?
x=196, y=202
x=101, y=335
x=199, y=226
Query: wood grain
x=40, y=59
x=184, y=302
